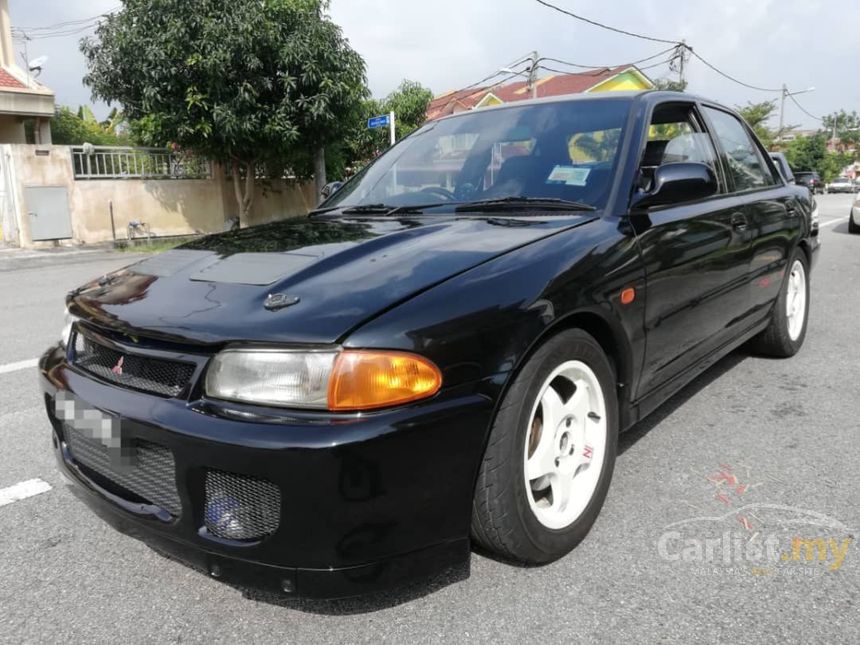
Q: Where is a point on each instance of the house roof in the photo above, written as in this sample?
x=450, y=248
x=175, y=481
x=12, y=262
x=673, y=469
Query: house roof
x=557, y=85
x=7, y=80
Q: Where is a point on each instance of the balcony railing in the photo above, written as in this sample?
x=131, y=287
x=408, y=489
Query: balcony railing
x=108, y=162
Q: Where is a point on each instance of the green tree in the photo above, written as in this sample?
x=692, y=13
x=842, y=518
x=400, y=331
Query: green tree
x=845, y=127
x=249, y=83
x=75, y=127
x=667, y=84
x=408, y=102
x=758, y=115
x=810, y=153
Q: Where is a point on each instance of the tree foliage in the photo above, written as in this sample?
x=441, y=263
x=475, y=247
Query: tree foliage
x=845, y=126
x=408, y=102
x=667, y=84
x=810, y=153
x=246, y=82
x=76, y=127
x=758, y=115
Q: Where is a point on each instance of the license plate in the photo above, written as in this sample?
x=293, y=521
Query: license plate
x=96, y=426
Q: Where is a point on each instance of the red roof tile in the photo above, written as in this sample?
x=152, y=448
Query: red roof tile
x=558, y=85
x=7, y=80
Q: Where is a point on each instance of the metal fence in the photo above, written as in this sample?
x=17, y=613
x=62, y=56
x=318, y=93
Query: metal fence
x=109, y=162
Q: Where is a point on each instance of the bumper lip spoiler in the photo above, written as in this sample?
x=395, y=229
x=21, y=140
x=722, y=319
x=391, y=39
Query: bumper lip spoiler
x=136, y=521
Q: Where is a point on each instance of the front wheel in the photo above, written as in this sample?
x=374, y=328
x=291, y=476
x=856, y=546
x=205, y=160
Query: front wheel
x=786, y=332
x=550, y=455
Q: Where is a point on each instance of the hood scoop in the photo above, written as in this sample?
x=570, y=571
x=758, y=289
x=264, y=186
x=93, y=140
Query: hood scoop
x=259, y=269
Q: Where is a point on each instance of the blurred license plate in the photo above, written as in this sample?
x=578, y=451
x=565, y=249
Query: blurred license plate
x=95, y=425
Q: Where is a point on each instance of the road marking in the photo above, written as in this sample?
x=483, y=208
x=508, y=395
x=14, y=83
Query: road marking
x=835, y=221
x=26, y=489
x=20, y=365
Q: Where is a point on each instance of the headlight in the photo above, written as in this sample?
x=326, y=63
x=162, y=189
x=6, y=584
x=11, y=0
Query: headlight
x=66, y=334
x=337, y=381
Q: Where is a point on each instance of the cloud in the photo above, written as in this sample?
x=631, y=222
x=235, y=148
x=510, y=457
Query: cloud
x=448, y=44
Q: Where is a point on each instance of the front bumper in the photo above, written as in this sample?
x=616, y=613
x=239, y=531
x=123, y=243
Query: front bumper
x=366, y=501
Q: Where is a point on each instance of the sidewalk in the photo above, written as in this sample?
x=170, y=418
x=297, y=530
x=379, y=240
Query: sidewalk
x=13, y=258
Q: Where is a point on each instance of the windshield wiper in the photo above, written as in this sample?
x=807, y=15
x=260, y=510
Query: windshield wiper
x=524, y=203
x=384, y=209
x=368, y=209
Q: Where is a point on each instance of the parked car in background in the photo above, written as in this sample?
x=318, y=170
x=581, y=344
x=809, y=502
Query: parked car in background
x=782, y=165
x=442, y=354
x=810, y=179
x=841, y=185
x=854, y=218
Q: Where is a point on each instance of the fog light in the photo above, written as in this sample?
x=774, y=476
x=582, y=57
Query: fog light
x=223, y=517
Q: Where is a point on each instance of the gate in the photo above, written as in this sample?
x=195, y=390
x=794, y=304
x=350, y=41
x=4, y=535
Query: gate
x=48, y=212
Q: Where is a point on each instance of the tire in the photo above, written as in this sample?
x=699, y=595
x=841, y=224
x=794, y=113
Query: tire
x=853, y=226
x=785, y=334
x=534, y=521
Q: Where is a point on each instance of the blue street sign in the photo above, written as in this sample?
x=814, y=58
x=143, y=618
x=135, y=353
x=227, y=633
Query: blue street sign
x=379, y=122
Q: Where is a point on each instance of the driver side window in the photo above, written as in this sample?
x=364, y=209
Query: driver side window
x=675, y=135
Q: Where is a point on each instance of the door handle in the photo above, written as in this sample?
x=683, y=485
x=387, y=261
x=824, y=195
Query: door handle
x=739, y=222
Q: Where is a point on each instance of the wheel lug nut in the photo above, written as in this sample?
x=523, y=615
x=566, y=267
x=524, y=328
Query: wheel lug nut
x=568, y=422
x=558, y=461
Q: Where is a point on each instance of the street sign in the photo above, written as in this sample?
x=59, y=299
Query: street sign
x=379, y=122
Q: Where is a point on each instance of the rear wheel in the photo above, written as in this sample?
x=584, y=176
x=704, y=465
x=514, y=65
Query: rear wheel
x=786, y=332
x=549, y=460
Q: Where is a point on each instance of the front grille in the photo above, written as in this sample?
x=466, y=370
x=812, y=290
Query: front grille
x=240, y=507
x=154, y=375
x=150, y=472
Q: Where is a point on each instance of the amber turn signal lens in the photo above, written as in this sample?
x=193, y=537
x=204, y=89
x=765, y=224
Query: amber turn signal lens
x=366, y=380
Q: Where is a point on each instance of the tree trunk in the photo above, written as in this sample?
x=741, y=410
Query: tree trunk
x=319, y=173
x=243, y=190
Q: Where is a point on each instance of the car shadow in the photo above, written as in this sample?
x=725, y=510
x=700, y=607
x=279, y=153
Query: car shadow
x=843, y=229
x=629, y=438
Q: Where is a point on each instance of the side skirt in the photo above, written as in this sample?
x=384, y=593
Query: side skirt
x=645, y=405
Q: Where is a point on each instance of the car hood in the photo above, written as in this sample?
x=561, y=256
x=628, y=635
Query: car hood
x=303, y=280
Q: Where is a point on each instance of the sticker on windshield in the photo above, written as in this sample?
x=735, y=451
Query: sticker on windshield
x=569, y=176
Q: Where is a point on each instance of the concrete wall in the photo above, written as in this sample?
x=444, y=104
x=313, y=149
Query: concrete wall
x=168, y=206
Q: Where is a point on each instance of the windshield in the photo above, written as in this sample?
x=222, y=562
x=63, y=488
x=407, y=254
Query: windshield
x=560, y=150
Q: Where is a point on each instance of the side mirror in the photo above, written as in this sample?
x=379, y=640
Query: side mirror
x=331, y=188
x=676, y=183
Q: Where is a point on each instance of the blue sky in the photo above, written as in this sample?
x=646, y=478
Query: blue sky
x=447, y=44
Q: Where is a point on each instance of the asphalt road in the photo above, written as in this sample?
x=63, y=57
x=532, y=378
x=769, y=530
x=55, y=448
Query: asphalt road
x=752, y=440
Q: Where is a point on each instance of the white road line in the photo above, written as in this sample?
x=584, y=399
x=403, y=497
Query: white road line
x=20, y=365
x=834, y=221
x=23, y=490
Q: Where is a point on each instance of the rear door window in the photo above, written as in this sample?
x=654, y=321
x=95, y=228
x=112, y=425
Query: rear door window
x=743, y=161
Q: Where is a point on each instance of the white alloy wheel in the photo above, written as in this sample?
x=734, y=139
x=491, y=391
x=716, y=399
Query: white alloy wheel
x=565, y=445
x=795, y=301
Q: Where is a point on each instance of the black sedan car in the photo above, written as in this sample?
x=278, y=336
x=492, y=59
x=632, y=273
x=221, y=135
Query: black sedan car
x=442, y=355
x=811, y=179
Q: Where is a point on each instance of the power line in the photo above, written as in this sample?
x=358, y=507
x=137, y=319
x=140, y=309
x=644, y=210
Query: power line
x=68, y=23
x=603, y=26
x=732, y=78
x=802, y=109
x=681, y=46
x=635, y=62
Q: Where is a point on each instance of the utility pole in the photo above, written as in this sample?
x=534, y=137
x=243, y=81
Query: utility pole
x=393, y=132
x=783, y=94
x=533, y=70
x=682, y=49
